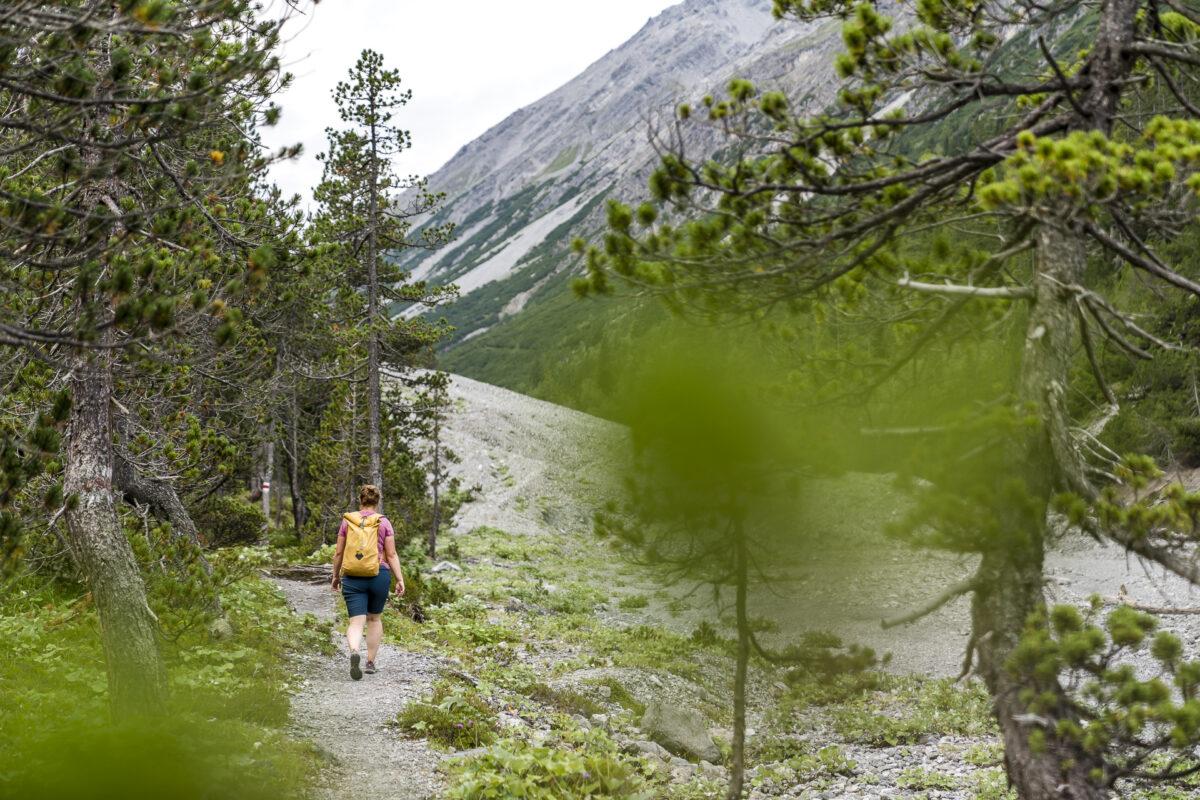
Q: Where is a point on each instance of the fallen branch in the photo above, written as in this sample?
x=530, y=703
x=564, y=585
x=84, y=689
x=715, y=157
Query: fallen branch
x=1123, y=598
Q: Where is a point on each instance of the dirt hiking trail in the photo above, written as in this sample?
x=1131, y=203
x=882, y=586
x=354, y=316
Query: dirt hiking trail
x=351, y=722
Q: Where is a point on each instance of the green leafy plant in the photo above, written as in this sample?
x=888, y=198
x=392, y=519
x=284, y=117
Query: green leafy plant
x=584, y=767
x=452, y=716
x=827, y=761
x=61, y=741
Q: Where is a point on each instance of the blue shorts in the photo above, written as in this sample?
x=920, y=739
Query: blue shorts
x=366, y=595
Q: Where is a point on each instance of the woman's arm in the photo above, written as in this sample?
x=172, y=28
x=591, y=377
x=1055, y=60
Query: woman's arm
x=337, y=563
x=389, y=552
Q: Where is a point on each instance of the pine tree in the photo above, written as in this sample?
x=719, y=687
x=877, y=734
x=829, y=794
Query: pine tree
x=359, y=212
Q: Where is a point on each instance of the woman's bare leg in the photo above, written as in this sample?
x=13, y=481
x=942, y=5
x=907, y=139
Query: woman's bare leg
x=374, y=634
x=355, y=631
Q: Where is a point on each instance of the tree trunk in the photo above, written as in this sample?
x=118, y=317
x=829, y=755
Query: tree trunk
x=738, y=755
x=137, y=680
x=278, y=490
x=162, y=498
x=1011, y=570
x=299, y=507
x=374, y=425
x=351, y=470
x=268, y=469
x=436, y=481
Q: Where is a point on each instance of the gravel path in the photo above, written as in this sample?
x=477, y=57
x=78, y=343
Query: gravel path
x=351, y=720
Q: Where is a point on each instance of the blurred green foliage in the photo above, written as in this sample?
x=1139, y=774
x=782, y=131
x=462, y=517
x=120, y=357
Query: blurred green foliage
x=221, y=737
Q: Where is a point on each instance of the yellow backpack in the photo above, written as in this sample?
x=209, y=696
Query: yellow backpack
x=361, y=556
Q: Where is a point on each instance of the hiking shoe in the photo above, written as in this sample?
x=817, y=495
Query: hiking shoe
x=370, y=668
x=355, y=672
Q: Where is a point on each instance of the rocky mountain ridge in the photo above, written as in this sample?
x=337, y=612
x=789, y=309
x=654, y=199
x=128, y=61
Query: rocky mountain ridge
x=520, y=193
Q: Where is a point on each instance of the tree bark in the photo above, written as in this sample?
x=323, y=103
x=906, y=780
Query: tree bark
x=137, y=680
x=162, y=499
x=1010, y=573
x=268, y=469
x=275, y=471
x=299, y=506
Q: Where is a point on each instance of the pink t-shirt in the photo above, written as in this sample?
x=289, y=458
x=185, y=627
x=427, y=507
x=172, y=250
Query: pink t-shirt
x=385, y=531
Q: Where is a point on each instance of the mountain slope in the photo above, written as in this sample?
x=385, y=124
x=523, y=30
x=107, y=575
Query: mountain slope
x=524, y=189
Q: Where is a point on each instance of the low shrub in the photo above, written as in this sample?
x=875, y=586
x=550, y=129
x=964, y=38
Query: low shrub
x=579, y=598
x=426, y=590
x=224, y=728
x=808, y=689
x=920, y=779
x=452, y=716
x=225, y=520
x=466, y=607
x=826, y=762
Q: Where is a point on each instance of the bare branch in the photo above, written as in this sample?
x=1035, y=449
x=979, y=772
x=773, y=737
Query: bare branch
x=951, y=592
x=990, y=292
x=1086, y=334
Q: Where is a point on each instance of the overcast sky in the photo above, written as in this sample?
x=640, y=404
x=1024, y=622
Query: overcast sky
x=469, y=64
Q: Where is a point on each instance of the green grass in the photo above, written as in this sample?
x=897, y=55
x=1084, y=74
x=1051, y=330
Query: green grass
x=908, y=708
x=564, y=159
x=633, y=602
x=585, y=766
x=565, y=701
x=621, y=696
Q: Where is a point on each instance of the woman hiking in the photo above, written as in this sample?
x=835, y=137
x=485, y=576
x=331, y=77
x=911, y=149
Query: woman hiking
x=366, y=548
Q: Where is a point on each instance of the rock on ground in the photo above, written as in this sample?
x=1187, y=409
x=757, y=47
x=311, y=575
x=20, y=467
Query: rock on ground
x=349, y=721
x=681, y=730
